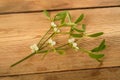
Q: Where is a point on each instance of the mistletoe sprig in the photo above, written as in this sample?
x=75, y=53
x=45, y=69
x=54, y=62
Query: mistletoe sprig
x=59, y=21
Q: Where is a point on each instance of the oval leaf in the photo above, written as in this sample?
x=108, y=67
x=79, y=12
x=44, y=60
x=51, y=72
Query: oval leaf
x=96, y=56
x=77, y=35
x=79, y=19
x=61, y=52
x=101, y=47
x=84, y=27
x=96, y=34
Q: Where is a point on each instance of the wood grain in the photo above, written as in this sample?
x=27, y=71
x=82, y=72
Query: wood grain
x=37, y=5
x=19, y=31
x=92, y=74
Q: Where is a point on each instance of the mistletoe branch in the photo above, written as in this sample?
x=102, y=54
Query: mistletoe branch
x=75, y=34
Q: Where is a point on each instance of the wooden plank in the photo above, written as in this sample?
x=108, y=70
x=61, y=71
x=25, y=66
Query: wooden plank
x=92, y=74
x=19, y=31
x=35, y=5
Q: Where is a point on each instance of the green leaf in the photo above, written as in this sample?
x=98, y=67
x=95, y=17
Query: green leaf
x=60, y=16
x=77, y=35
x=68, y=24
x=102, y=43
x=96, y=34
x=61, y=52
x=79, y=19
x=46, y=13
x=96, y=56
x=69, y=17
x=84, y=27
x=101, y=47
x=97, y=49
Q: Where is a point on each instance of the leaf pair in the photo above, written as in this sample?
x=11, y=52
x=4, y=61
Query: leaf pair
x=93, y=53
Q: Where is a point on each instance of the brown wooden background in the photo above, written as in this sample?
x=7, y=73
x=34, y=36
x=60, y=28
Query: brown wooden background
x=22, y=23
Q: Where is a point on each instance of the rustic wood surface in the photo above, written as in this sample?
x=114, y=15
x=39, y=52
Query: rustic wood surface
x=38, y=5
x=22, y=24
x=19, y=31
x=92, y=74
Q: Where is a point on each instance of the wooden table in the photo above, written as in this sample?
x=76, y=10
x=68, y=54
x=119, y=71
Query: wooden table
x=22, y=23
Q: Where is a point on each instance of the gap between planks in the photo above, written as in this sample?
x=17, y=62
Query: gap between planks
x=36, y=5
x=52, y=10
x=96, y=74
x=113, y=67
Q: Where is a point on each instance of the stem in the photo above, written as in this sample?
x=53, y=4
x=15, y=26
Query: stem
x=44, y=46
x=52, y=49
x=84, y=50
x=71, y=30
x=62, y=46
x=46, y=40
x=65, y=33
x=44, y=36
x=69, y=17
x=23, y=59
